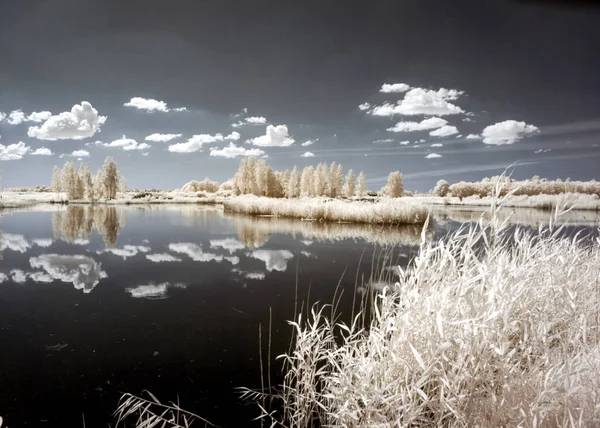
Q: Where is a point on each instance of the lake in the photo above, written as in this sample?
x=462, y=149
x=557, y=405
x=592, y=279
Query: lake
x=97, y=301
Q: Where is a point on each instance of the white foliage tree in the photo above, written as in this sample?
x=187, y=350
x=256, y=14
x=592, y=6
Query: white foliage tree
x=441, y=188
x=349, y=187
x=361, y=189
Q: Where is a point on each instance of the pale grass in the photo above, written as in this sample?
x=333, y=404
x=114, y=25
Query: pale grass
x=487, y=327
x=385, y=211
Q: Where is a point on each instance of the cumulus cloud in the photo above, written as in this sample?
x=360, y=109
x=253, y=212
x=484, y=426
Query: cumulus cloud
x=81, y=122
x=18, y=276
x=404, y=143
x=385, y=140
x=162, y=138
x=81, y=271
x=274, y=259
x=275, y=136
x=17, y=117
x=542, y=151
x=419, y=101
x=364, y=106
x=229, y=244
x=437, y=145
x=426, y=124
x=507, y=132
x=255, y=275
x=307, y=155
x=194, y=252
x=473, y=137
x=234, y=260
x=13, y=151
x=394, y=87
x=233, y=151
x=2, y=117
x=195, y=143
x=162, y=257
x=150, y=105
x=444, y=131
x=309, y=143
x=80, y=154
x=126, y=144
x=433, y=156
x=127, y=251
x=255, y=120
x=42, y=151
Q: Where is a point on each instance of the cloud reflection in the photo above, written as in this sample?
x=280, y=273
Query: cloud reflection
x=81, y=271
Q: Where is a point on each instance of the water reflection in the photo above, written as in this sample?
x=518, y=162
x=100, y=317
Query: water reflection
x=274, y=259
x=254, y=232
x=75, y=224
x=152, y=291
x=81, y=271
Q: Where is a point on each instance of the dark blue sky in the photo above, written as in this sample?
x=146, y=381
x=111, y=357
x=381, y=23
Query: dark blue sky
x=306, y=65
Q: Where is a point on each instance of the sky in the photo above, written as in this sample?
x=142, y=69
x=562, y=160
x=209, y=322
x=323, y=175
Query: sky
x=182, y=90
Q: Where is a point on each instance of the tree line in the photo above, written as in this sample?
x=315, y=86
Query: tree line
x=255, y=177
x=80, y=184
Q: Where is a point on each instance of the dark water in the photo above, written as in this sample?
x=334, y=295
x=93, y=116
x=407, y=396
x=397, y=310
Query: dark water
x=95, y=302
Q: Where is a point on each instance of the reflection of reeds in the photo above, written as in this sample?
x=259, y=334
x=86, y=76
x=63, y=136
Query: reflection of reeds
x=385, y=211
x=254, y=231
x=77, y=222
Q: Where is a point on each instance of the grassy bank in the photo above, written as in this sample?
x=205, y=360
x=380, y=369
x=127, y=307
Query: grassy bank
x=485, y=328
x=384, y=211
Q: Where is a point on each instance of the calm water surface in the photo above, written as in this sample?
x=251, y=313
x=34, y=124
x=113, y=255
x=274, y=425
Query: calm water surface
x=99, y=301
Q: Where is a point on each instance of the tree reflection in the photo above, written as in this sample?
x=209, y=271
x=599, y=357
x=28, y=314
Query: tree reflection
x=253, y=232
x=77, y=222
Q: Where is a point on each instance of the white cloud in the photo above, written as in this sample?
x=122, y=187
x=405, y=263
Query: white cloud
x=542, y=151
x=444, y=131
x=433, y=156
x=195, y=143
x=385, y=140
x=473, y=137
x=394, y=87
x=14, y=242
x=275, y=136
x=13, y=151
x=81, y=122
x=307, y=242
x=404, y=143
x=234, y=136
x=127, y=251
x=233, y=151
x=162, y=138
x=254, y=120
x=229, y=244
x=127, y=144
x=309, y=143
x=195, y=252
x=307, y=155
x=274, y=259
x=145, y=154
x=507, y=132
x=17, y=117
x=83, y=272
x=3, y=276
x=43, y=242
x=162, y=257
x=419, y=101
x=437, y=145
x=150, y=104
x=80, y=154
x=41, y=277
x=431, y=123
x=42, y=151
x=2, y=117
x=364, y=106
